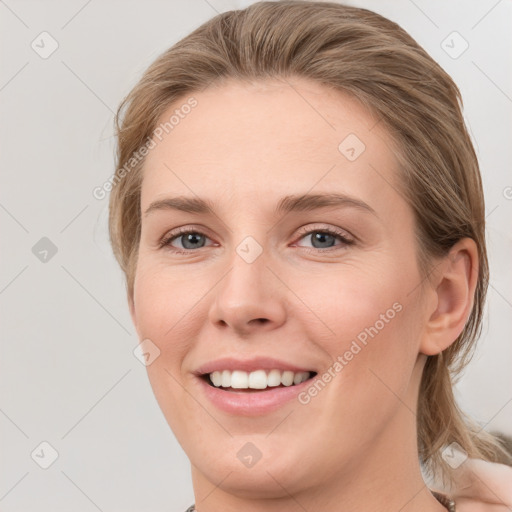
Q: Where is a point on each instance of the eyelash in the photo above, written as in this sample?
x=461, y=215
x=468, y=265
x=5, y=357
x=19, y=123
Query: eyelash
x=166, y=241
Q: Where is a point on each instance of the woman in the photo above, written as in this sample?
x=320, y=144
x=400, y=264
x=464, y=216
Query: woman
x=298, y=210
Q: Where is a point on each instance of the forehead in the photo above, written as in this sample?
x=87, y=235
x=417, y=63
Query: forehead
x=241, y=139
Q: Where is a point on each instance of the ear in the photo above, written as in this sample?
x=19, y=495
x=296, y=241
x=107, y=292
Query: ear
x=454, y=288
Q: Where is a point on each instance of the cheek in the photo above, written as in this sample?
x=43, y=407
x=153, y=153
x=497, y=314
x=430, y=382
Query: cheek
x=350, y=303
x=370, y=325
x=165, y=315
x=373, y=352
x=166, y=303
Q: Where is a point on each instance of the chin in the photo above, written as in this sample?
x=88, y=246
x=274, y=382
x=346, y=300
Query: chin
x=260, y=481
x=268, y=477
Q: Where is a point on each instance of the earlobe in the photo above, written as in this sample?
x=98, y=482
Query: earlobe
x=456, y=280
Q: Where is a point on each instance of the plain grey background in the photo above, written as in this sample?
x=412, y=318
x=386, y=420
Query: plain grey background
x=68, y=374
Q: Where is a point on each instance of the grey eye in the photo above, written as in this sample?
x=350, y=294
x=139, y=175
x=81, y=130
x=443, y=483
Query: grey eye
x=321, y=240
x=192, y=240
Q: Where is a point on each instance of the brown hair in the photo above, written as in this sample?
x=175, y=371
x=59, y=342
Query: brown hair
x=371, y=58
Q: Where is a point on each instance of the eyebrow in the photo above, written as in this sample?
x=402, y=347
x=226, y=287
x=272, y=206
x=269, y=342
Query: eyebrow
x=290, y=203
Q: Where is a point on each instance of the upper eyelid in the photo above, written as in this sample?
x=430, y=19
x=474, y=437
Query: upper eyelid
x=177, y=232
x=329, y=229
x=302, y=231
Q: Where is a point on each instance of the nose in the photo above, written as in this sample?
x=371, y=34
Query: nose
x=249, y=298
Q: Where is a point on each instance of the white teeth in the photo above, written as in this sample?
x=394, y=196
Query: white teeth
x=297, y=378
x=239, y=380
x=273, y=378
x=216, y=378
x=287, y=378
x=259, y=379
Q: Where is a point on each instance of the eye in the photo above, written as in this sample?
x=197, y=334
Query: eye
x=325, y=238
x=322, y=239
x=190, y=239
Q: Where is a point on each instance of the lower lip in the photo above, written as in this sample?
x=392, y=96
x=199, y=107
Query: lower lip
x=252, y=403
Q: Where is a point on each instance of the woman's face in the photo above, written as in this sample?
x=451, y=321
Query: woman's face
x=272, y=280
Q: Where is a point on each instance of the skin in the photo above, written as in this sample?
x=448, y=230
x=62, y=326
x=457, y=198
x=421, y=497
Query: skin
x=481, y=486
x=244, y=147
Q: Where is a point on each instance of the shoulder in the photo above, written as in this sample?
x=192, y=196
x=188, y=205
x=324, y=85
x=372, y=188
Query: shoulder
x=481, y=486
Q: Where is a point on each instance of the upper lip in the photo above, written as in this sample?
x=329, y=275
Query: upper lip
x=249, y=365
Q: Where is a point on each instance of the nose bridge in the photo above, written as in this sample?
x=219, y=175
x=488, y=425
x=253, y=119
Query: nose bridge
x=247, y=281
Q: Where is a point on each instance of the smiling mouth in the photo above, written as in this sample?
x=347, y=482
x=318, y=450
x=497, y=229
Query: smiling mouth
x=256, y=381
